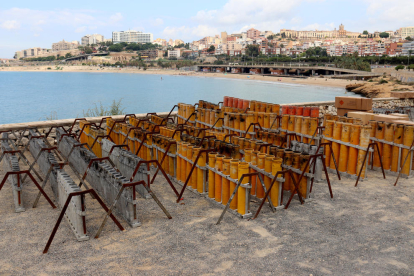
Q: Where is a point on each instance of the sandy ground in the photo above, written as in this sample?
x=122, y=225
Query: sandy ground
x=307, y=81
x=363, y=230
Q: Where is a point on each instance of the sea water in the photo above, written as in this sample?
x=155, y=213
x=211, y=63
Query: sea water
x=35, y=96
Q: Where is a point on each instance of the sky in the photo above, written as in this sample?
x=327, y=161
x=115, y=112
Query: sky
x=25, y=24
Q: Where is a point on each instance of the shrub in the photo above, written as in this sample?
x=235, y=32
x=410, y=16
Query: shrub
x=399, y=67
x=382, y=81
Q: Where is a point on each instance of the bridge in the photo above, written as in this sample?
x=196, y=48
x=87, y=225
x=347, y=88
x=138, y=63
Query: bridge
x=287, y=69
x=86, y=56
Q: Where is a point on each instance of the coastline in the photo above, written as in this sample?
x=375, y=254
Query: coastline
x=93, y=69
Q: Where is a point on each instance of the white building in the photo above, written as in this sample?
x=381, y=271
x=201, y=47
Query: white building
x=92, y=39
x=406, y=48
x=174, y=53
x=407, y=32
x=132, y=37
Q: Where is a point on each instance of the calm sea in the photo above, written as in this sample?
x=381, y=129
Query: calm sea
x=33, y=96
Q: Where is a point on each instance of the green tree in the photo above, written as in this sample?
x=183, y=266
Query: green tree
x=68, y=55
x=252, y=50
x=384, y=35
x=365, y=32
x=270, y=37
x=211, y=49
x=88, y=50
x=399, y=67
x=409, y=38
x=115, y=48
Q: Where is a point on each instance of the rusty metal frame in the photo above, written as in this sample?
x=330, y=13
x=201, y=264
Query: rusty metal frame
x=270, y=188
x=143, y=140
x=96, y=139
x=117, y=146
x=85, y=125
x=163, y=158
x=52, y=127
x=219, y=119
x=62, y=213
x=191, y=171
x=133, y=185
x=405, y=160
x=329, y=143
x=229, y=135
x=74, y=122
x=102, y=120
x=26, y=172
x=248, y=128
x=127, y=135
x=373, y=145
x=206, y=137
x=37, y=158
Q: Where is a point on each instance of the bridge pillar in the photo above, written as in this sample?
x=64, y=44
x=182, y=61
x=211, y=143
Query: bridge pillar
x=262, y=70
x=326, y=72
x=297, y=72
x=313, y=72
x=286, y=71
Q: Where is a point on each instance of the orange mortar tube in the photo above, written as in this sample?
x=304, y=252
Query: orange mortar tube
x=287, y=160
x=363, y=142
x=261, y=165
x=218, y=178
x=200, y=173
x=236, y=120
x=344, y=150
x=387, y=149
x=407, y=141
x=274, y=193
x=305, y=128
x=398, y=139
x=242, y=193
x=225, y=182
x=295, y=165
x=188, y=164
x=328, y=132
x=194, y=175
x=211, y=174
x=337, y=131
x=234, y=173
x=353, y=152
x=268, y=168
x=379, y=134
x=303, y=185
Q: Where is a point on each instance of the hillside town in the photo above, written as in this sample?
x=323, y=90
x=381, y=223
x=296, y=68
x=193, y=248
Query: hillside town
x=289, y=43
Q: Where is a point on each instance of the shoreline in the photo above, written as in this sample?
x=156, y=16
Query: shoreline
x=338, y=83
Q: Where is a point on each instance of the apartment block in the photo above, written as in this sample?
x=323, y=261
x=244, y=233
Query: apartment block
x=65, y=45
x=132, y=37
x=92, y=39
x=407, y=32
x=174, y=53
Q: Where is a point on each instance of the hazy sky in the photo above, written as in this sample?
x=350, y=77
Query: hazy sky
x=25, y=24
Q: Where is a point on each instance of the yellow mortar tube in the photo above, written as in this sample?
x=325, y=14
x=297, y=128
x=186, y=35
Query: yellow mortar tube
x=285, y=121
x=260, y=118
x=206, y=116
x=373, y=124
x=303, y=185
x=298, y=124
x=234, y=173
x=236, y=120
x=363, y=142
x=194, y=175
x=225, y=182
x=398, y=139
x=337, y=131
x=173, y=150
x=353, y=152
x=243, y=118
x=254, y=178
x=268, y=168
x=266, y=120
x=387, y=149
x=305, y=128
x=274, y=193
x=189, y=165
x=328, y=132
x=344, y=150
x=291, y=123
x=313, y=126
x=242, y=193
x=407, y=141
x=276, y=109
x=295, y=165
x=218, y=178
x=179, y=159
x=287, y=160
x=211, y=175
x=379, y=134
x=200, y=173
x=261, y=165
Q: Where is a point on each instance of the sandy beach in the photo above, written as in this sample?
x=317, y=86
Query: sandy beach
x=90, y=69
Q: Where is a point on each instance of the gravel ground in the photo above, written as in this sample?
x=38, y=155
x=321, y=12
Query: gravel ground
x=364, y=230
